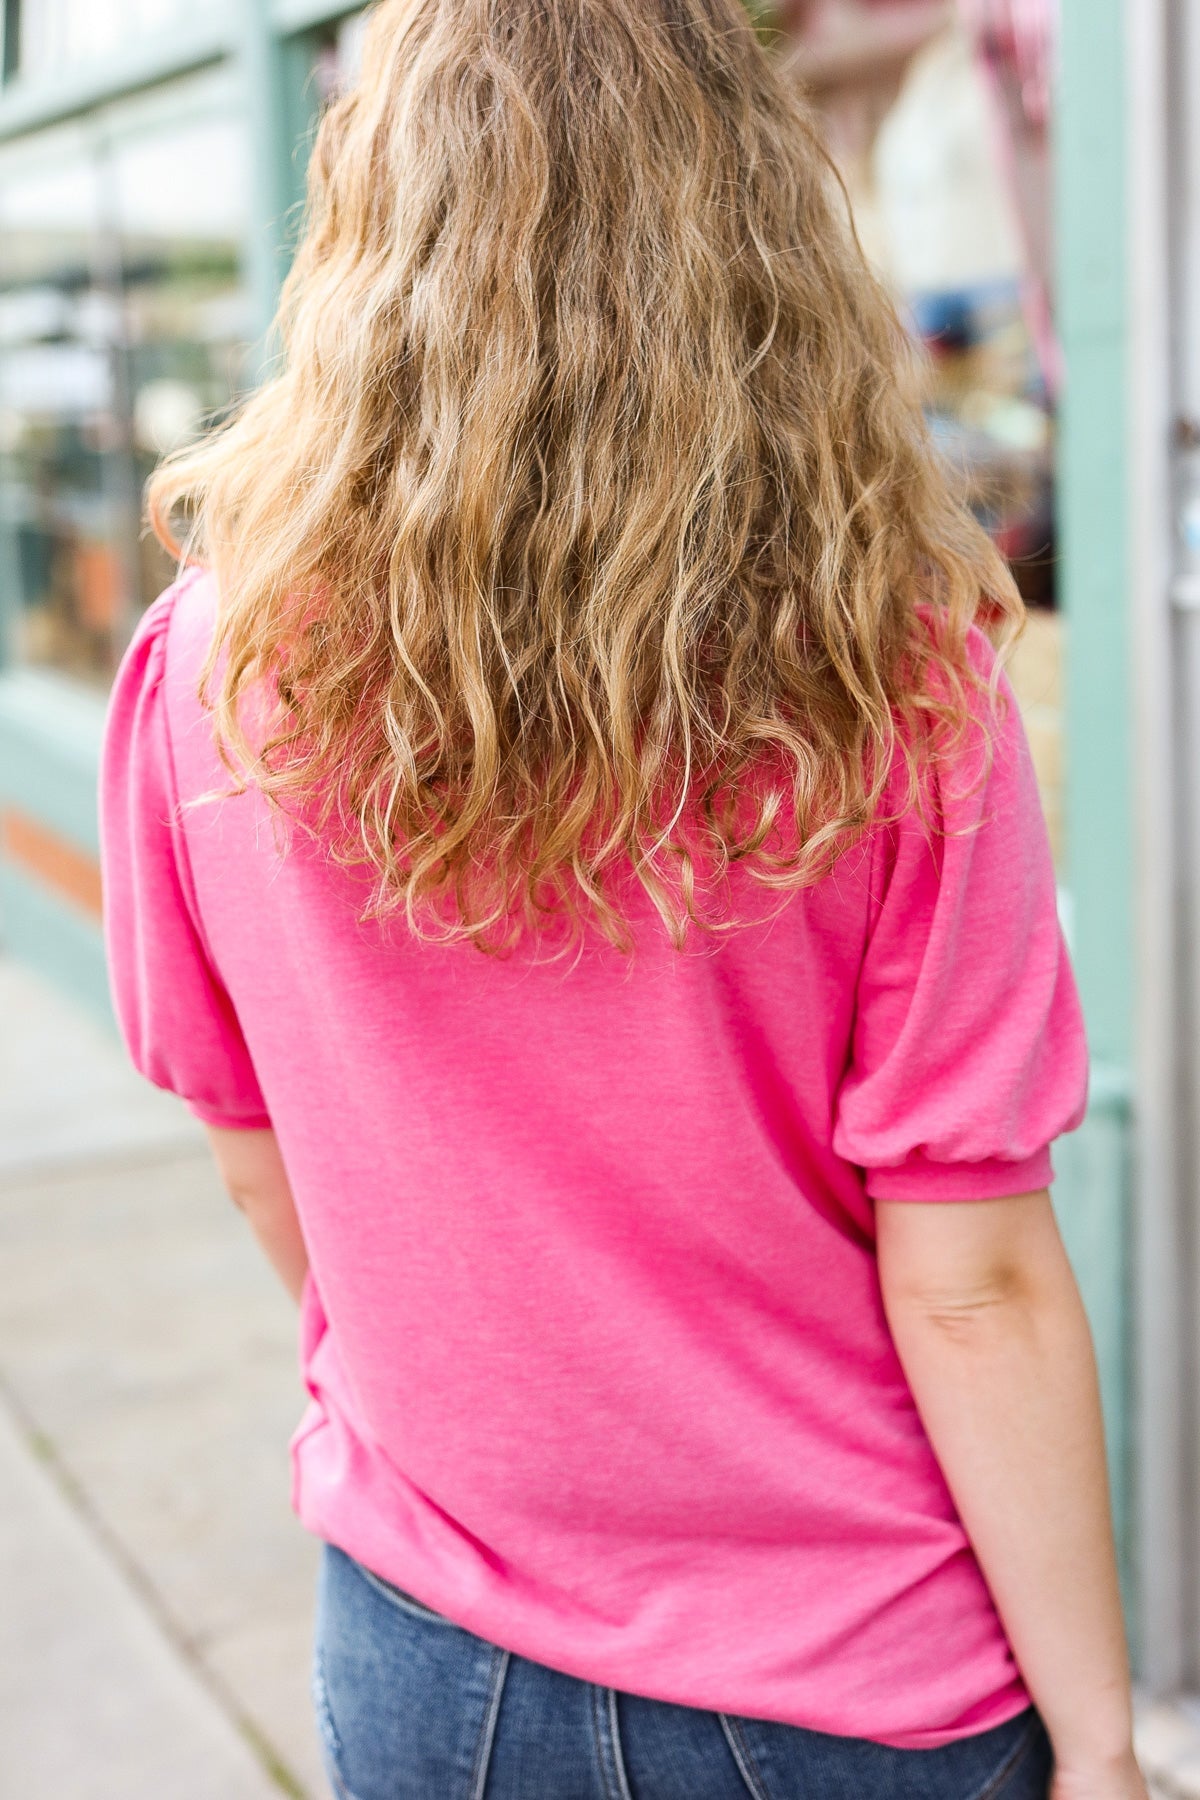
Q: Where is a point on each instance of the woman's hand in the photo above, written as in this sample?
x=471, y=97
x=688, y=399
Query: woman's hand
x=1122, y=1780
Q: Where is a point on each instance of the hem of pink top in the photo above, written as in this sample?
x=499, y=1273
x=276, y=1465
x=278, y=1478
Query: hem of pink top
x=938, y=1740
x=921, y=1179
x=366, y=1537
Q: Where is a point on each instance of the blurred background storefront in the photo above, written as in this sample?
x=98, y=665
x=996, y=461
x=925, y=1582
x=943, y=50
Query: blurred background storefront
x=1009, y=164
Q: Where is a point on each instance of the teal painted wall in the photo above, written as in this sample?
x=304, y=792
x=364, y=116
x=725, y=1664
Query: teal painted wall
x=57, y=939
x=1093, y=1192
x=49, y=762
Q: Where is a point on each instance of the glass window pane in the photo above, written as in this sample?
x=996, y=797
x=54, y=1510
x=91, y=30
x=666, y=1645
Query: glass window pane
x=57, y=413
x=188, y=316
x=123, y=327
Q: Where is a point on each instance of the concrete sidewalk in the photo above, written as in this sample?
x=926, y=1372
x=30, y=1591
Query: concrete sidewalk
x=94, y=1699
x=154, y=1636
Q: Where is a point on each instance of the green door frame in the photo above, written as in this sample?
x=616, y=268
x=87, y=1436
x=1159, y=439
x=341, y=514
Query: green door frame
x=1094, y=1188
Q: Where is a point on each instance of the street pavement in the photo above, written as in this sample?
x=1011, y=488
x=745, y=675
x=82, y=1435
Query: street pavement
x=154, y=1632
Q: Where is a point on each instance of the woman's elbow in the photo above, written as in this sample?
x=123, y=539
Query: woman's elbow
x=965, y=1269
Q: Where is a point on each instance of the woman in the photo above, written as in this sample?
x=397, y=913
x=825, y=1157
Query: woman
x=568, y=838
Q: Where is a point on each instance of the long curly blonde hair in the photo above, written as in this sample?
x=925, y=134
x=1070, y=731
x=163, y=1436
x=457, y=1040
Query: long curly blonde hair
x=589, y=532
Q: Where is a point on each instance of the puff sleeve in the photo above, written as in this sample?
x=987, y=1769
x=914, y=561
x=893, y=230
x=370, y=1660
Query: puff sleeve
x=175, y=1015
x=968, y=1054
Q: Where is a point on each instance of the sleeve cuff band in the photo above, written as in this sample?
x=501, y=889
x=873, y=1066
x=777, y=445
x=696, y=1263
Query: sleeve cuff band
x=921, y=1179
x=225, y=1121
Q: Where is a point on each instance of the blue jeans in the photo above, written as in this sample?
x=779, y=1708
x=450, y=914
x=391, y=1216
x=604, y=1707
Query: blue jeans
x=412, y=1707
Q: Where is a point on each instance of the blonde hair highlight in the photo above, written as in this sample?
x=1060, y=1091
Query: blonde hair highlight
x=590, y=529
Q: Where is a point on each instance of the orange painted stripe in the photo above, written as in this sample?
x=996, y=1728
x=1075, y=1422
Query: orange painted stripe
x=52, y=859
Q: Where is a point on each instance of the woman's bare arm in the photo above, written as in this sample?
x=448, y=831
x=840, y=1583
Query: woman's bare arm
x=991, y=1331
x=252, y=1170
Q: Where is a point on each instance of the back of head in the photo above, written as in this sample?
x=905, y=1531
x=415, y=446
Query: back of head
x=590, y=528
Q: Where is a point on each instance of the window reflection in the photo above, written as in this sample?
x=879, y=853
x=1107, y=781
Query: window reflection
x=123, y=325
x=57, y=411
x=187, y=315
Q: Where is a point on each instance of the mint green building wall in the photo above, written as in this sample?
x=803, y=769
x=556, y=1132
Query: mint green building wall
x=1093, y=1192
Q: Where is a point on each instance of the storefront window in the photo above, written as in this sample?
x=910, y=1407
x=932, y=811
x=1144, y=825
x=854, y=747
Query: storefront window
x=937, y=118
x=123, y=325
x=187, y=315
x=58, y=410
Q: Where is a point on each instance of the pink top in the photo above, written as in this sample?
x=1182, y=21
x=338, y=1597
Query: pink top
x=593, y=1333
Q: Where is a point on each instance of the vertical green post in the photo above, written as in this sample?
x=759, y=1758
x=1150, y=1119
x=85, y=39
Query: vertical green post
x=9, y=23
x=1094, y=1186
x=280, y=105
x=9, y=545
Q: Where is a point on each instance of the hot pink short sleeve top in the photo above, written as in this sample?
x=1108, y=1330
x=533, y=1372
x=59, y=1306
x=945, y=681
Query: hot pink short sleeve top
x=593, y=1334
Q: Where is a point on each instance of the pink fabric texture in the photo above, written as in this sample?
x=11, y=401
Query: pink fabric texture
x=593, y=1334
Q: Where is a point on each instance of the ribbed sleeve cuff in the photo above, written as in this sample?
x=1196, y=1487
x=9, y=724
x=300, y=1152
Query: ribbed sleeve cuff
x=225, y=1121
x=918, y=1178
